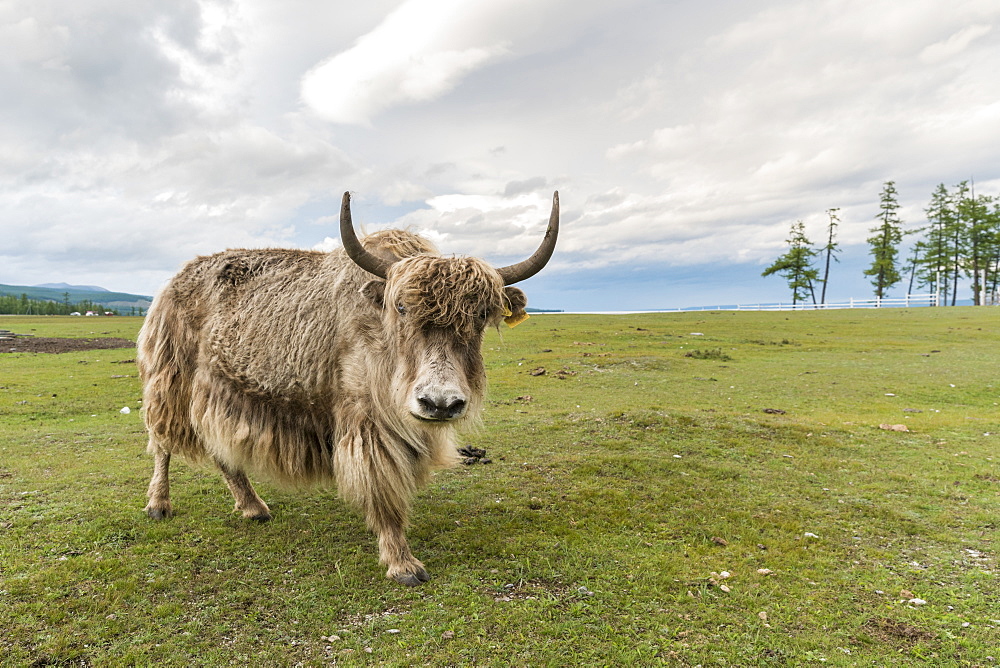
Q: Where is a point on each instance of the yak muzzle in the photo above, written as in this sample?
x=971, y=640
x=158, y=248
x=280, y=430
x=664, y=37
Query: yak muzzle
x=439, y=407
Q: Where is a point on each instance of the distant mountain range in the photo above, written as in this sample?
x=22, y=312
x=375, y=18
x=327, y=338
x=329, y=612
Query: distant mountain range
x=59, y=292
x=67, y=286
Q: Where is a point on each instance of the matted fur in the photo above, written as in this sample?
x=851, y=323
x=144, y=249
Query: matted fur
x=298, y=366
x=460, y=294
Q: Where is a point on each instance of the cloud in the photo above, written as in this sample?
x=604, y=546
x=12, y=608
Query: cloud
x=526, y=186
x=955, y=44
x=419, y=52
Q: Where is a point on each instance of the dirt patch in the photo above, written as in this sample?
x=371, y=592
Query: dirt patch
x=33, y=344
x=884, y=629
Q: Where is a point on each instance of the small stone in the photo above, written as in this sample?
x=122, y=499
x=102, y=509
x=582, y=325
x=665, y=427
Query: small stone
x=894, y=427
x=125, y=411
x=762, y=615
x=906, y=593
x=724, y=588
x=917, y=601
x=718, y=540
x=809, y=534
x=447, y=635
x=764, y=571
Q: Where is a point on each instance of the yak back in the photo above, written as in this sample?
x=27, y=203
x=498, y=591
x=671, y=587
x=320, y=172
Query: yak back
x=242, y=354
x=277, y=322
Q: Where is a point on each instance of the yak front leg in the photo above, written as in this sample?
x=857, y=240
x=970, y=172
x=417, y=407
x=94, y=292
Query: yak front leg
x=247, y=502
x=389, y=524
x=378, y=484
x=158, y=493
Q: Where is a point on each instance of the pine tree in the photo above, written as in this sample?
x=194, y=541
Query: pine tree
x=830, y=248
x=884, y=242
x=993, y=262
x=980, y=238
x=956, y=233
x=796, y=265
x=936, y=259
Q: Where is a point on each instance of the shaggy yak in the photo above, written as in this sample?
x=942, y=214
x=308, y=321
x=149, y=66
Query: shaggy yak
x=354, y=367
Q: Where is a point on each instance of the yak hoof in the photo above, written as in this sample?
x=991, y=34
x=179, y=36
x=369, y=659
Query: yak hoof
x=258, y=512
x=412, y=579
x=158, y=513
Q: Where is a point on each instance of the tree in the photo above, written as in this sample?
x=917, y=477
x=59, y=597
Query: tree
x=830, y=248
x=993, y=262
x=980, y=238
x=796, y=264
x=884, y=242
x=936, y=264
x=956, y=237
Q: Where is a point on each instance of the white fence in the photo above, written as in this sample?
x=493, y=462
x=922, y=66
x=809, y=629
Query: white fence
x=908, y=300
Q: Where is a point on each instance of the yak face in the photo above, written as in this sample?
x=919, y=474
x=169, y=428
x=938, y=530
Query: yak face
x=435, y=312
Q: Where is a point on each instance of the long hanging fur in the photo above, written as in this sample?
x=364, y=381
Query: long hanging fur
x=295, y=365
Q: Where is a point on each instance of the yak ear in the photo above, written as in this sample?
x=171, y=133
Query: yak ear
x=516, y=301
x=375, y=291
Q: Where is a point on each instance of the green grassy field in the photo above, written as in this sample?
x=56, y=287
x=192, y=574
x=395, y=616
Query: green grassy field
x=627, y=482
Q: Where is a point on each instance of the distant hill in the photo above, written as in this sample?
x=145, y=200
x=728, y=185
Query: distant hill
x=67, y=286
x=78, y=293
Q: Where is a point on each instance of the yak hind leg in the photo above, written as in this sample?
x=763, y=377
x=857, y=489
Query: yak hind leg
x=247, y=502
x=159, y=507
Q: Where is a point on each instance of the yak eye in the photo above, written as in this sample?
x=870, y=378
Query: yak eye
x=483, y=313
x=400, y=309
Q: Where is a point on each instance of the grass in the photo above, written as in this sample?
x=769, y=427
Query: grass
x=625, y=481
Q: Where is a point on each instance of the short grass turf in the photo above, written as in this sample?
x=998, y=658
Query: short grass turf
x=711, y=488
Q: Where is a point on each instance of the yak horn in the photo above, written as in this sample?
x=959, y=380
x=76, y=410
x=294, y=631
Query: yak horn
x=527, y=268
x=370, y=262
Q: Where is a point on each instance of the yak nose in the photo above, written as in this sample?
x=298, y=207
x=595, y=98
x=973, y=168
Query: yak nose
x=441, y=407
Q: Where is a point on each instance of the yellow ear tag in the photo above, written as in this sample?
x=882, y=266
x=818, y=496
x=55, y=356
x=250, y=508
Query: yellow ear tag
x=514, y=320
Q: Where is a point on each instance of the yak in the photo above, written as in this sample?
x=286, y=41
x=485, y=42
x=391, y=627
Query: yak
x=356, y=367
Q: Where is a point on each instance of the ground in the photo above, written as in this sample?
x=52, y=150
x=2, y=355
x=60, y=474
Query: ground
x=28, y=344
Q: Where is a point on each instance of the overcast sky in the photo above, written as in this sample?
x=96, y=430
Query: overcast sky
x=684, y=137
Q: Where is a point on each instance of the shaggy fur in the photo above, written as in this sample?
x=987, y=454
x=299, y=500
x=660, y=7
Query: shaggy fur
x=299, y=366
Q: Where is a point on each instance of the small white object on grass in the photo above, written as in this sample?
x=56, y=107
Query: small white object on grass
x=125, y=411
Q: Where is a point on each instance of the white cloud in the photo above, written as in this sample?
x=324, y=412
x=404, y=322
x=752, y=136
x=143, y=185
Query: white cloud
x=955, y=44
x=420, y=51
